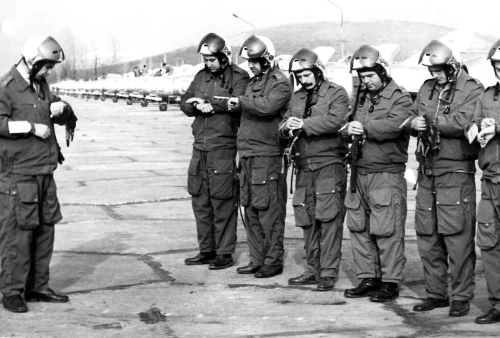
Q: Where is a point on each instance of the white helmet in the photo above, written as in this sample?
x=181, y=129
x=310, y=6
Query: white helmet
x=258, y=46
x=213, y=44
x=42, y=49
x=494, y=53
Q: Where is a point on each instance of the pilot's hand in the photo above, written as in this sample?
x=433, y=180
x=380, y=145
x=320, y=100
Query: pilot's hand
x=355, y=128
x=486, y=135
x=418, y=123
x=194, y=99
x=294, y=123
x=42, y=131
x=57, y=108
x=205, y=108
x=486, y=122
x=233, y=103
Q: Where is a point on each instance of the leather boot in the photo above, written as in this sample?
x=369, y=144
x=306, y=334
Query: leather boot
x=364, y=289
x=491, y=317
x=326, y=283
x=431, y=303
x=48, y=296
x=221, y=262
x=249, y=269
x=301, y=280
x=14, y=303
x=388, y=291
x=459, y=308
x=268, y=271
x=201, y=258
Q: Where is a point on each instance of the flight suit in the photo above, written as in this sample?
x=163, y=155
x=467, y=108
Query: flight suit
x=263, y=174
x=445, y=211
x=376, y=212
x=488, y=211
x=28, y=194
x=212, y=168
x=318, y=201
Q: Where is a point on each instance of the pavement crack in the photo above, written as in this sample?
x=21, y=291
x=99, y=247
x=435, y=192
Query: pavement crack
x=160, y=200
x=157, y=268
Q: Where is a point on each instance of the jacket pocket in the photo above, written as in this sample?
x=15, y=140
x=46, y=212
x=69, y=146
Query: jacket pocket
x=326, y=200
x=222, y=179
x=487, y=233
x=382, y=218
x=300, y=208
x=425, y=215
x=449, y=211
x=194, y=177
x=355, y=216
x=260, y=188
x=27, y=205
x=51, y=207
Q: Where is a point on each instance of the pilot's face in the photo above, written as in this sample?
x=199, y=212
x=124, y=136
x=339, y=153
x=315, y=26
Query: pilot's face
x=439, y=75
x=45, y=71
x=371, y=80
x=306, y=79
x=496, y=67
x=212, y=63
x=255, y=67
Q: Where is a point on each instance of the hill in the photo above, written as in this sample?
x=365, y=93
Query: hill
x=287, y=39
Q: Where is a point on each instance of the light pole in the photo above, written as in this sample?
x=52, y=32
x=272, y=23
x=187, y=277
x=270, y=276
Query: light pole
x=248, y=23
x=341, y=25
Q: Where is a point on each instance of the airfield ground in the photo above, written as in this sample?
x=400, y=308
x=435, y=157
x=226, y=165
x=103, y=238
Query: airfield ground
x=128, y=226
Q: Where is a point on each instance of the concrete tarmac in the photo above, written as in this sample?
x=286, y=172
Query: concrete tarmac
x=128, y=226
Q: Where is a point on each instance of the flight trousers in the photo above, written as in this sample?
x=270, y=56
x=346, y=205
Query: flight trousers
x=29, y=209
x=319, y=210
x=488, y=234
x=376, y=216
x=263, y=194
x=445, y=219
x=213, y=187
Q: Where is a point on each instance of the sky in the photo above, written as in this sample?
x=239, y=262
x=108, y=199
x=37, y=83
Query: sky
x=148, y=27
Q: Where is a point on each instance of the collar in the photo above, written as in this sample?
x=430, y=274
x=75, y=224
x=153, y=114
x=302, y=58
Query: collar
x=323, y=88
x=389, y=89
x=460, y=82
x=21, y=77
x=212, y=76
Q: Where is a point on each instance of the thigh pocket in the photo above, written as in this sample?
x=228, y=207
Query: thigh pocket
x=450, y=210
x=326, y=200
x=382, y=218
x=425, y=215
x=300, y=208
x=222, y=179
x=355, y=216
x=51, y=208
x=194, y=177
x=27, y=205
x=260, y=188
x=487, y=234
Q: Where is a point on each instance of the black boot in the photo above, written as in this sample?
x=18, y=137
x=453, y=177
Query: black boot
x=364, y=289
x=201, y=258
x=387, y=292
x=221, y=262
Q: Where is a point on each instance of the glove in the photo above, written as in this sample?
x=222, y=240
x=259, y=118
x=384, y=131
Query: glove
x=70, y=126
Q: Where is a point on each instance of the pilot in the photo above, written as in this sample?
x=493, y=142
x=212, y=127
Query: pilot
x=376, y=200
x=29, y=155
x=314, y=116
x=212, y=169
x=445, y=210
x=487, y=118
x=263, y=175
